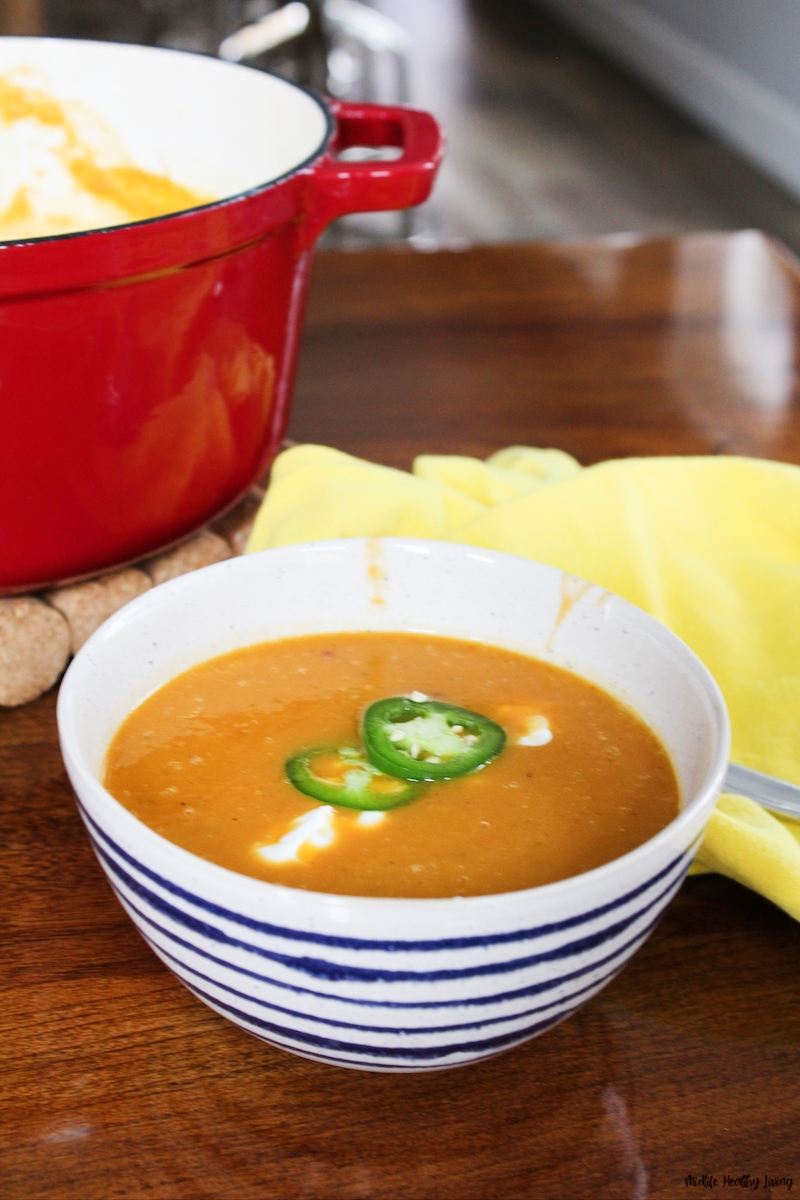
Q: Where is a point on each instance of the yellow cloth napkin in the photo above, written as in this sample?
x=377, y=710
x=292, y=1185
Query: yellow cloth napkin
x=709, y=546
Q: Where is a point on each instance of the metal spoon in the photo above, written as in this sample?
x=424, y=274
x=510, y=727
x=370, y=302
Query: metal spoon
x=773, y=793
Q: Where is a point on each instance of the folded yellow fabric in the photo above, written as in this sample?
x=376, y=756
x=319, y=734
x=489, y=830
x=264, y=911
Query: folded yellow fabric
x=317, y=493
x=710, y=546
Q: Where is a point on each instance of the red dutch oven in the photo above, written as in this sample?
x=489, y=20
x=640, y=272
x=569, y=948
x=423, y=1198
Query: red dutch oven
x=146, y=369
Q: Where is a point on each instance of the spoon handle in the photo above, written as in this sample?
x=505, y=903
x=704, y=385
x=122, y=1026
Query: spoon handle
x=773, y=793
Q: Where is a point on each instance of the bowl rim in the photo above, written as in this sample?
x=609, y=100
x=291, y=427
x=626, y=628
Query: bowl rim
x=298, y=898
x=232, y=198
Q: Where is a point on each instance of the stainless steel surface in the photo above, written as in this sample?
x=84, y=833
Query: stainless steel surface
x=773, y=793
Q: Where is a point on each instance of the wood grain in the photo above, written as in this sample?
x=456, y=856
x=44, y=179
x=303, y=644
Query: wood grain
x=666, y=347
x=116, y=1082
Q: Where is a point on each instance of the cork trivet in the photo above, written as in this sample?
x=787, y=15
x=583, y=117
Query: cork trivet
x=37, y=638
x=236, y=525
x=200, y=551
x=87, y=605
x=34, y=648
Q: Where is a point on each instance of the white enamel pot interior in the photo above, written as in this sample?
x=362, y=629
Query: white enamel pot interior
x=217, y=128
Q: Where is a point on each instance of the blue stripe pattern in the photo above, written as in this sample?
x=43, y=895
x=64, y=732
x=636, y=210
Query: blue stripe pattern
x=181, y=969
x=339, y=972
x=532, y=990
x=276, y=994
x=350, y=943
x=420, y=1053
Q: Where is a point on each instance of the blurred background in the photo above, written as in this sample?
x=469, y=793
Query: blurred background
x=565, y=118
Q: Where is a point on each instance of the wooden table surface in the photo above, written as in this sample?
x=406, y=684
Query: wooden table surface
x=116, y=1082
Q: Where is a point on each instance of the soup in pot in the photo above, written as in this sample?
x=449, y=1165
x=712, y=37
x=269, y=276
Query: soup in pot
x=392, y=764
x=65, y=171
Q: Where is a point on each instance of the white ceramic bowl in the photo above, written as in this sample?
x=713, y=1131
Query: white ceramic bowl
x=386, y=984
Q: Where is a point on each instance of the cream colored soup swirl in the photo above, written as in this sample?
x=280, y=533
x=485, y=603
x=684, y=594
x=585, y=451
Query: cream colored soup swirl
x=64, y=170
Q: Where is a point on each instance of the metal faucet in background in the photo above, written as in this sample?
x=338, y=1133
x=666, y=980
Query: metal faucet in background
x=352, y=46
x=273, y=30
x=354, y=33
x=360, y=34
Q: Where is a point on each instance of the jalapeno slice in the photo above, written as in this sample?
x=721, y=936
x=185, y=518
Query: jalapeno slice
x=428, y=740
x=343, y=776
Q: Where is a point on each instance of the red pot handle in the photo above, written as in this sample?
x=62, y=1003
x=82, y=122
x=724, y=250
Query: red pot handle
x=339, y=187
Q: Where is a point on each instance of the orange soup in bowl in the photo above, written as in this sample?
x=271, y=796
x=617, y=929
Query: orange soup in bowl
x=392, y=764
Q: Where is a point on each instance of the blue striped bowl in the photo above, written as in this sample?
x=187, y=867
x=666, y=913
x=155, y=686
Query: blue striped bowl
x=391, y=984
